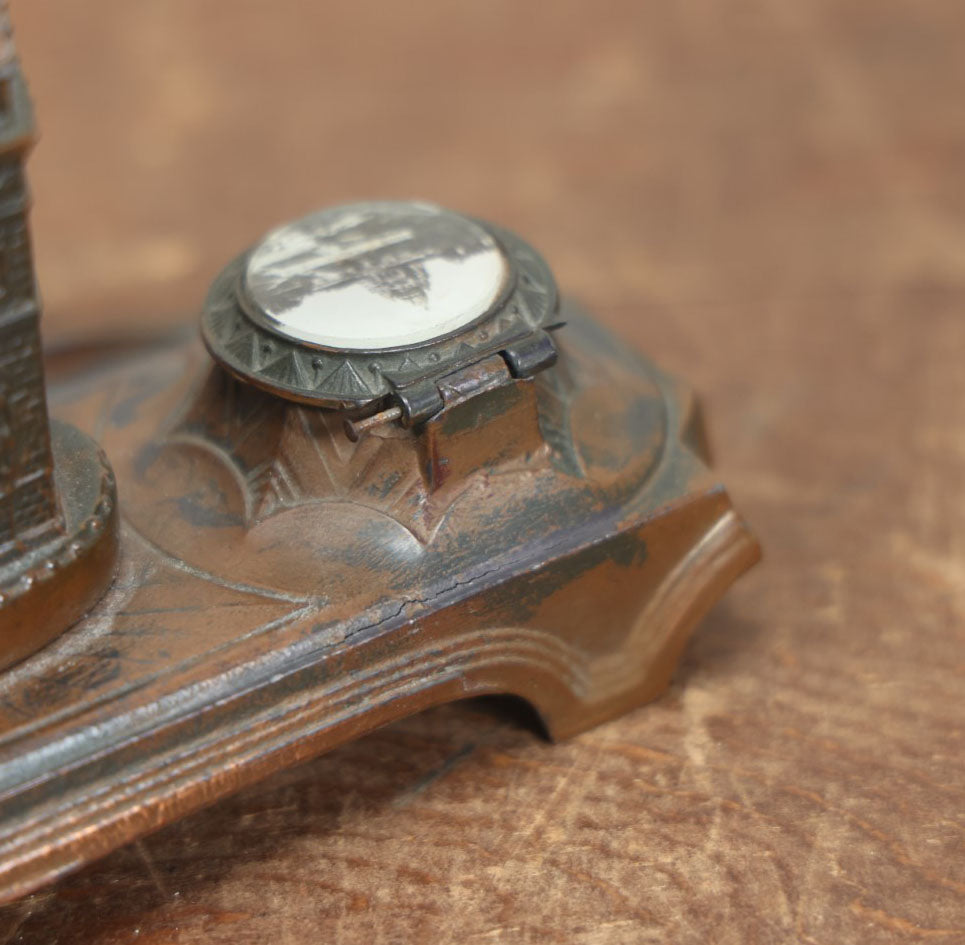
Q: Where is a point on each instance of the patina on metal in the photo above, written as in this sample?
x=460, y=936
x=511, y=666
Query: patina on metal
x=358, y=307
x=317, y=540
x=58, y=534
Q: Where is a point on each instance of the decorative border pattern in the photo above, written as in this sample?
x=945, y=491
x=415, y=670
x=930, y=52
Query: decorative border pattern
x=61, y=553
x=341, y=379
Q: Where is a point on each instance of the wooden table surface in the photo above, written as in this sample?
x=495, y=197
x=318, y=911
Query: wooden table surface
x=768, y=196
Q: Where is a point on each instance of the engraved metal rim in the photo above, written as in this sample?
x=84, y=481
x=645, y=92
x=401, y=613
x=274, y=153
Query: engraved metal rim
x=344, y=379
x=62, y=552
x=52, y=587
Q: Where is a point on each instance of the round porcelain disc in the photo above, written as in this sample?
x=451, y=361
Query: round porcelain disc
x=371, y=276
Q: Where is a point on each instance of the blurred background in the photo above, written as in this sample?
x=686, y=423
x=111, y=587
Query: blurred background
x=662, y=155
x=766, y=196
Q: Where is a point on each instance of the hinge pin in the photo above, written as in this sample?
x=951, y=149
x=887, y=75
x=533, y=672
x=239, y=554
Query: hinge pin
x=355, y=429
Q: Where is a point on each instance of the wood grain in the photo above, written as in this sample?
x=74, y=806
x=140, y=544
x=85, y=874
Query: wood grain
x=765, y=196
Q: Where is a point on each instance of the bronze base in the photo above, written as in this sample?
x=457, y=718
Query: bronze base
x=49, y=588
x=283, y=589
